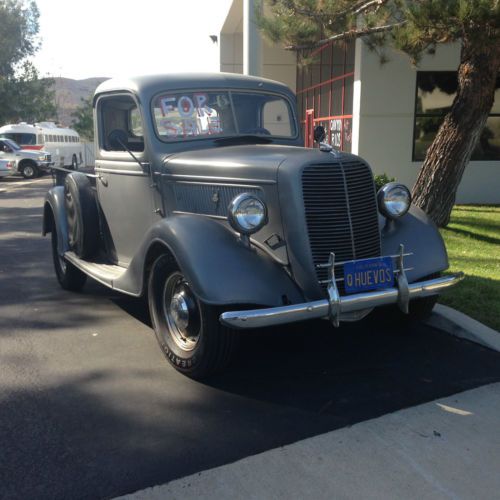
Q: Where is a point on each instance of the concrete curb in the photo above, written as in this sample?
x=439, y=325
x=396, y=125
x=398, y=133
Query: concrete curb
x=460, y=325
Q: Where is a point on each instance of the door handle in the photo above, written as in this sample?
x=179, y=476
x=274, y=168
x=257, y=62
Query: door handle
x=103, y=180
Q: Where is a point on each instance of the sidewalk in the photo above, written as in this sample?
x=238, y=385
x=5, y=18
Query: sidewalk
x=449, y=448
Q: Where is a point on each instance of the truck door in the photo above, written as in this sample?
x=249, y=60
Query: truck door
x=123, y=185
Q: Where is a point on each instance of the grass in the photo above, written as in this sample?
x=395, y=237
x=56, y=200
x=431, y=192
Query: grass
x=473, y=242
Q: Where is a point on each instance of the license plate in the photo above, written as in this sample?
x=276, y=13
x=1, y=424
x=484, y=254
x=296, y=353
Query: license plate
x=368, y=274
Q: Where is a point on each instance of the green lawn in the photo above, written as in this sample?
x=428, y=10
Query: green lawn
x=473, y=242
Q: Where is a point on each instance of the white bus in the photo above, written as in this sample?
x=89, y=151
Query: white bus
x=62, y=143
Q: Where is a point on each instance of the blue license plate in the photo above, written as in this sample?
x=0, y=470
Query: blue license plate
x=368, y=274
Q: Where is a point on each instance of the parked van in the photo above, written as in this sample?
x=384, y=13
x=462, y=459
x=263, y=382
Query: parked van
x=62, y=143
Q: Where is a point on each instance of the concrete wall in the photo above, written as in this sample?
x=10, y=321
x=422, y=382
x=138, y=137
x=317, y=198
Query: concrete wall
x=384, y=103
x=277, y=63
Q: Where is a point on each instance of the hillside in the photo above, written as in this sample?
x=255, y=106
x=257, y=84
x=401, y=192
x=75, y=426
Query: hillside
x=69, y=93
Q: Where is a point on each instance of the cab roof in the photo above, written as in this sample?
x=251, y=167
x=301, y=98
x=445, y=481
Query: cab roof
x=149, y=85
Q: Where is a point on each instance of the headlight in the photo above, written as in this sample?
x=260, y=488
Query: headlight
x=247, y=213
x=41, y=158
x=393, y=200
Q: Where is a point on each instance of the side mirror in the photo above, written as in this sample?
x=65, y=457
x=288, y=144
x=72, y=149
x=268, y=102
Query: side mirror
x=118, y=139
x=319, y=133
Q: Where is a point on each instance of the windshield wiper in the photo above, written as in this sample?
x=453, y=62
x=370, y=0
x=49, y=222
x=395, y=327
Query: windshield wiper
x=242, y=139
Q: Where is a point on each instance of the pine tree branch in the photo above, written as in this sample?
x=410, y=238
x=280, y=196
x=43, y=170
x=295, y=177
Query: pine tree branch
x=363, y=6
x=357, y=8
x=354, y=33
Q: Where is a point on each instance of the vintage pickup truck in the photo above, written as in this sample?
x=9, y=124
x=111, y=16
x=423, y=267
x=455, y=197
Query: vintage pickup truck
x=204, y=200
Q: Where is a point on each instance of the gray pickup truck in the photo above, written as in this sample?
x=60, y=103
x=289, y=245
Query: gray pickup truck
x=204, y=200
x=28, y=163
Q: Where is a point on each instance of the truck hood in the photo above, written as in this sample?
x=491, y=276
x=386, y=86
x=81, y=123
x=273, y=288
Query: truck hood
x=255, y=163
x=29, y=153
x=240, y=163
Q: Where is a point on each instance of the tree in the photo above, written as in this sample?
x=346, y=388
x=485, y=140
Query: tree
x=18, y=33
x=83, y=121
x=415, y=27
x=23, y=95
x=26, y=97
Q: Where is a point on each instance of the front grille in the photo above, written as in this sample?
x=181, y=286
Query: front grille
x=341, y=214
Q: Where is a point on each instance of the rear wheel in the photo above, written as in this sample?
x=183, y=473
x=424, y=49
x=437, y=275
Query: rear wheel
x=188, y=331
x=69, y=276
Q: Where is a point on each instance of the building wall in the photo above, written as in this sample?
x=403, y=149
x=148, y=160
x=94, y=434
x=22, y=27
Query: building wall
x=277, y=63
x=383, y=120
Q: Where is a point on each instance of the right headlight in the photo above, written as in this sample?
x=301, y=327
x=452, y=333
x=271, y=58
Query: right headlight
x=394, y=200
x=247, y=213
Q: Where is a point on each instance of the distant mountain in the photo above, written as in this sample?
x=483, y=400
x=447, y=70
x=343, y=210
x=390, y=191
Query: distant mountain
x=69, y=93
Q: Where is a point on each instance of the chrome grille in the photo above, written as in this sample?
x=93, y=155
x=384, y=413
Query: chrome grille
x=341, y=214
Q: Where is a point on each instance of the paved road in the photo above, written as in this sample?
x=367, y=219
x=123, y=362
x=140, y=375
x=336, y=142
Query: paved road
x=90, y=409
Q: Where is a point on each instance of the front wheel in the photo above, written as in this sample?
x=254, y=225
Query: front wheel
x=188, y=331
x=74, y=163
x=69, y=276
x=29, y=170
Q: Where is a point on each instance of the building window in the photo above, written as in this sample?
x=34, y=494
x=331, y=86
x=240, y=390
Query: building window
x=325, y=93
x=436, y=91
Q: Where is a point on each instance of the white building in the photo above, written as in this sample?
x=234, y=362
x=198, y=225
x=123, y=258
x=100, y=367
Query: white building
x=386, y=113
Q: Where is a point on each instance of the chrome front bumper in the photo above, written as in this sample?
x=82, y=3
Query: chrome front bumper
x=333, y=307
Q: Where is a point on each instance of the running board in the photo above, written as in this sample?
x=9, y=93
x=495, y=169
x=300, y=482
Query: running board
x=107, y=274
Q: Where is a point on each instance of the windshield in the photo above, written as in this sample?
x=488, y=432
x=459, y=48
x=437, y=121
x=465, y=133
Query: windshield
x=14, y=145
x=193, y=115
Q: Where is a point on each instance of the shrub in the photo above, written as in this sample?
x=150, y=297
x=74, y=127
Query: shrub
x=382, y=179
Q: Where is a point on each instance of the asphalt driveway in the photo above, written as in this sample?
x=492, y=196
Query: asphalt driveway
x=89, y=408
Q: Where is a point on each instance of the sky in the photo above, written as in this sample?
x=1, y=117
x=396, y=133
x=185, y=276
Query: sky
x=112, y=38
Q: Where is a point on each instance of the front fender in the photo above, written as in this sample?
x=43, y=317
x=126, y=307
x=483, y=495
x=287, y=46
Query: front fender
x=220, y=269
x=421, y=237
x=54, y=212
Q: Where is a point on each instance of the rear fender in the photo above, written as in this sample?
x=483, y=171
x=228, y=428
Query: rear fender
x=220, y=269
x=421, y=237
x=54, y=212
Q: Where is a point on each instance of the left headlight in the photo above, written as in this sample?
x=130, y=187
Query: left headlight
x=41, y=158
x=247, y=213
x=394, y=200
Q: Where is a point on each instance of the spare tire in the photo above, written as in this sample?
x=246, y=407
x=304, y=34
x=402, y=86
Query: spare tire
x=82, y=216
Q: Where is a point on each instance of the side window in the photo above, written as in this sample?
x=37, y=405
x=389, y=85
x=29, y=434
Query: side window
x=120, y=113
x=135, y=123
x=276, y=118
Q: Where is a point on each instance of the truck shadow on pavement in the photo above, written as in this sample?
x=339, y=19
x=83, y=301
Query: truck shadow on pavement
x=356, y=372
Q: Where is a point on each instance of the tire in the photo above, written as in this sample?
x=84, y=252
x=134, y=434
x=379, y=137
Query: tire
x=74, y=163
x=420, y=309
x=82, y=215
x=69, y=276
x=29, y=170
x=195, y=343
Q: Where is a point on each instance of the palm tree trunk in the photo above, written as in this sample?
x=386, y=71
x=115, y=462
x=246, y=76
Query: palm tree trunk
x=437, y=183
